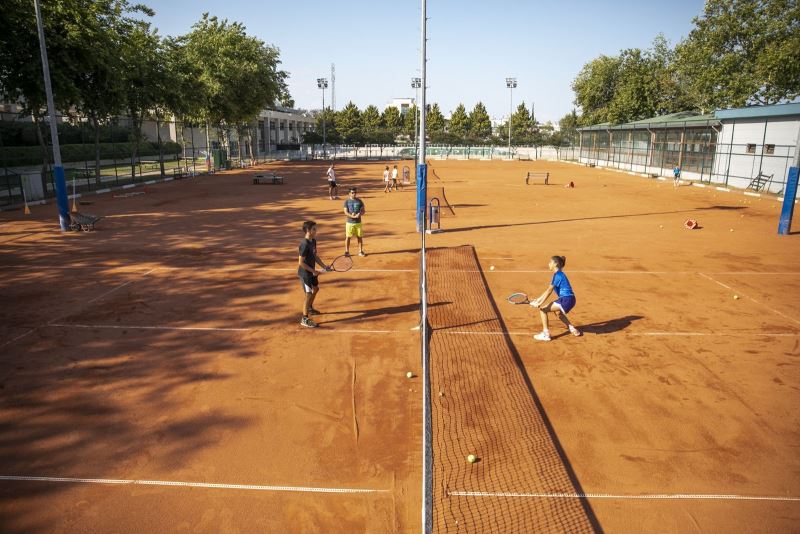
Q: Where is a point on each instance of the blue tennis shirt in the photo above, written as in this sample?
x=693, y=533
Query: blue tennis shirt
x=561, y=284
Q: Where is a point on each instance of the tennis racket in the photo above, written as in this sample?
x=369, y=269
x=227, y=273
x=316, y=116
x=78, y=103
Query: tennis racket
x=341, y=264
x=518, y=298
x=522, y=298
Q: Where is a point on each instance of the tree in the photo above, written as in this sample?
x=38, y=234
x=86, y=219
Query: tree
x=595, y=87
x=459, y=122
x=391, y=120
x=742, y=52
x=568, y=126
x=520, y=125
x=371, y=119
x=409, y=122
x=480, y=123
x=348, y=123
x=435, y=119
x=330, y=129
x=144, y=77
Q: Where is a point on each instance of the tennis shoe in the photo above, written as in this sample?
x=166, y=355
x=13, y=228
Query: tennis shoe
x=542, y=336
x=308, y=323
x=347, y=253
x=362, y=254
x=575, y=332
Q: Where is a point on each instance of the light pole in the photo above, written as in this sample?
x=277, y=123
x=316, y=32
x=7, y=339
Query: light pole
x=322, y=83
x=511, y=83
x=416, y=83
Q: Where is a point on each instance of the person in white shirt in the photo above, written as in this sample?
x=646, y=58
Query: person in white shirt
x=386, y=182
x=333, y=187
x=394, y=178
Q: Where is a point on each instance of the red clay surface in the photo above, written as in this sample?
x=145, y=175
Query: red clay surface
x=165, y=346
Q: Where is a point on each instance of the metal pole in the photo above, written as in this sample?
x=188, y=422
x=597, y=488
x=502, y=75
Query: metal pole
x=60, y=182
x=510, y=111
x=324, y=135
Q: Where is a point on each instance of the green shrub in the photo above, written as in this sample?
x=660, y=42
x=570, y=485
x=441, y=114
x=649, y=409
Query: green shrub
x=32, y=155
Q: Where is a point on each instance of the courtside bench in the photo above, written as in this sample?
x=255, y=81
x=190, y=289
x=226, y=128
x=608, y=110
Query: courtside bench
x=269, y=178
x=545, y=176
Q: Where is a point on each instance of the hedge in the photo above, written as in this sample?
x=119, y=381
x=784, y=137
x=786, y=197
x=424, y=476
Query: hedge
x=32, y=155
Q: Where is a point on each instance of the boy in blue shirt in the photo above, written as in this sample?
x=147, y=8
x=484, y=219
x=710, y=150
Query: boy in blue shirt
x=562, y=305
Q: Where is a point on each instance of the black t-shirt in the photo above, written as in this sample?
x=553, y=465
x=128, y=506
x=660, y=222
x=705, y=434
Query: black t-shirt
x=308, y=249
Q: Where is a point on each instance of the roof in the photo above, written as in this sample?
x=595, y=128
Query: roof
x=675, y=120
x=752, y=112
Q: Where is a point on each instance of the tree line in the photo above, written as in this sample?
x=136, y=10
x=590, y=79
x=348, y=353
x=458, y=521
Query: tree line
x=353, y=126
x=739, y=52
x=106, y=60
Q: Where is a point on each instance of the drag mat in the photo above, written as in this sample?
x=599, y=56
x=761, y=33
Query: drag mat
x=483, y=403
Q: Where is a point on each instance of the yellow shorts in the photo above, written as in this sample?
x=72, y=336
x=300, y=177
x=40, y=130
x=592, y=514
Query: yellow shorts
x=353, y=230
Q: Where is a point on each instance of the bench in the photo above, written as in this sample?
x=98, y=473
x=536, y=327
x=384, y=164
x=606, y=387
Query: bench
x=533, y=175
x=178, y=173
x=760, y=182
x=590, y=164
x=272, y=178
x=83, y=221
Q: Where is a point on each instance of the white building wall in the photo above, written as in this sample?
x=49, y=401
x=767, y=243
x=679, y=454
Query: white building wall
x=743, y=150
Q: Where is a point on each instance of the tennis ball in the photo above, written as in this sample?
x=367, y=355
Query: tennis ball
x=409, y=375
x=731, y=229
x=736, y=297
x=472, y=458
x=491, y=267
x=661, y=226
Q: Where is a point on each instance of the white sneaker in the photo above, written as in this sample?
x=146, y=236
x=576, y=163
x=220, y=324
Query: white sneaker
x=575, y=332
x=543, y=336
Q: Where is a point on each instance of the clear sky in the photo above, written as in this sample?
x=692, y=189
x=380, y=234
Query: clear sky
x=473, y=45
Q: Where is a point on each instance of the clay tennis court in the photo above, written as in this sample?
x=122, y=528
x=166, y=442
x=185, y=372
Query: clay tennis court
x=155, y=378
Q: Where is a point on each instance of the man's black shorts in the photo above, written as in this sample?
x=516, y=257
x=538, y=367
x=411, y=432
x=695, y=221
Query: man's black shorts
x=331, y=183
x=309, y=282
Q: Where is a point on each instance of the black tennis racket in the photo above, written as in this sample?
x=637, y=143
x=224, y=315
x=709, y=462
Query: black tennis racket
x=341, y=264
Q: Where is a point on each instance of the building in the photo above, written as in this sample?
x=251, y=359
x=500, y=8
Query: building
x=404, y=105
x=728, y=147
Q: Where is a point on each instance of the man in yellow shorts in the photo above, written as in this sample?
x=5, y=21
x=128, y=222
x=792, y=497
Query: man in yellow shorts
x=354, y=209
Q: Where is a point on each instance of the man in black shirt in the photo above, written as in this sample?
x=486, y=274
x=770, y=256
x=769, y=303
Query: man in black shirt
x=307, y=273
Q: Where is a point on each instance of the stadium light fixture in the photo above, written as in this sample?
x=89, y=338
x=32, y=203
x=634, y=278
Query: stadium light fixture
x=511, y=83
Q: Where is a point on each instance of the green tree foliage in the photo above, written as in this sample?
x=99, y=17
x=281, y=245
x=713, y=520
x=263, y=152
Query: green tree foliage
x=330, y=131
x=408, y=121
x=435, y=119
x=371, y=119
x=568, y=125
x=520, y=125
x=391, y=119
x=480, y=123
x=459, y=122
x=349, y=125
x=741, y=52
x=595, y=87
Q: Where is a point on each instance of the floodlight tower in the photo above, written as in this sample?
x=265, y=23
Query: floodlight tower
x=416, y=83
x=322, y=83
x=511, y=83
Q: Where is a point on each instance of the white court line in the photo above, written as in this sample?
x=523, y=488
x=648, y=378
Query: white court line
x=303, y=489
x=31, y=331
x=751, y=298
x=131, y=327
x=120, y=287
x=655, y=496
x=676, y=334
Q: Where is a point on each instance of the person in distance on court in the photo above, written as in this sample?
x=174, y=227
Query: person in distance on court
x=353, y=210
x=386, y=187
x=562, y=305
x=394, y=178
x=333, y=187
x=307, y=273
x=676, y=172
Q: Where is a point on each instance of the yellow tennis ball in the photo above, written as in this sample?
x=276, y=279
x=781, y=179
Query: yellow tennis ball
x=736, y=297
x=491, y=267
x=472, y=458
x=409, y=375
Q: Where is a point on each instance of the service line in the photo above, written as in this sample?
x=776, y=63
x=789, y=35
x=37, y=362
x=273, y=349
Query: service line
x=131, y=482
